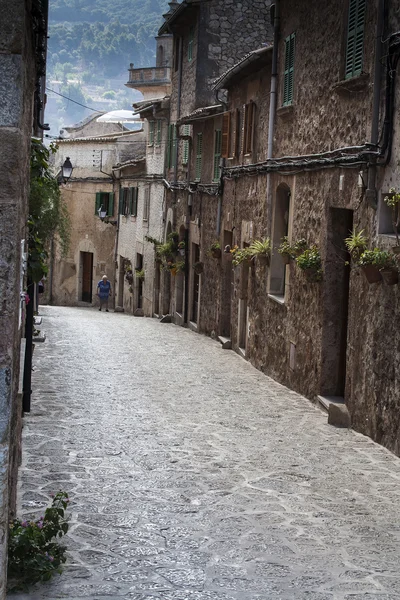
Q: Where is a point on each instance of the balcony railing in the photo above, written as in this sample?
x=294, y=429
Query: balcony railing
x=150, y=76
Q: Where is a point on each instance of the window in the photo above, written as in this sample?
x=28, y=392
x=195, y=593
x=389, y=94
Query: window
x=355, y=38
x=289, y=70
x=234, y=147
x=171, y=147
x=248, y=128
x=104, y=201
x=185, y=154
x=190, y=44
x=151, y=133
x=281, y=216
x=146, y=203
x=217, y=154
x=125, y=193
x=388, y=216
x=159, y=132
x=199, y=156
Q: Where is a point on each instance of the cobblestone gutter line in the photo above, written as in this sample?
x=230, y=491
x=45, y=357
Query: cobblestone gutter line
x=195, y=477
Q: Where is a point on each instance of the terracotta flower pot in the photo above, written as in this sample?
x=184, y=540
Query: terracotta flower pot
x=390, y=276
x=372, y=274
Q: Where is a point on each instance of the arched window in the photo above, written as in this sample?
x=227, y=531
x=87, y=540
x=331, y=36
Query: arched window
x=160, y=56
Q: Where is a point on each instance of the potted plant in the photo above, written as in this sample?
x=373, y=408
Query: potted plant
x=388, y=268
x=369, y=263
x=261, y=250
x=128, y=271
x=198, y=267
x=356, y=244
x=179, y=266
x=393, y=200
x=299, y=247
x=181, y=247
x=309, y=261
x=139, y=274
x=285, y=250
x=215, y=249
x=242, y=255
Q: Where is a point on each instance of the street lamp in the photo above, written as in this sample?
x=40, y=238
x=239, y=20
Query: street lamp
x=66, y=170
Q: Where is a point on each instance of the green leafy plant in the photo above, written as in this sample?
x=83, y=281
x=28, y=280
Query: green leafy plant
x=34, y=553
x=310, y=262
x=299, y=247
x=393, y=200
x=356, y=243
x=261, y=247
x=139, y=274
x=285, y=249
x=214, y=250
x=381, y=259
x=181, y=245
x=48, y=214
x=215, y=245
x=242, y=255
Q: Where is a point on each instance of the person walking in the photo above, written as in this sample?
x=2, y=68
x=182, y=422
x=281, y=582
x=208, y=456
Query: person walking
x=103, y=292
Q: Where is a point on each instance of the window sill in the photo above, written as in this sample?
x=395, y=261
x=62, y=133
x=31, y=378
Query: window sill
x=346, y=87
x=277, y=298
x=285, y=112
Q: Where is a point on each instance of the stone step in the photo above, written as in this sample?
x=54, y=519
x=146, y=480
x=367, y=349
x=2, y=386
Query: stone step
x=226, y=342
x=335, y=406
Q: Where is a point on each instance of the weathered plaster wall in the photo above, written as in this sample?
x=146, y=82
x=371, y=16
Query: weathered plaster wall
x=17, y=78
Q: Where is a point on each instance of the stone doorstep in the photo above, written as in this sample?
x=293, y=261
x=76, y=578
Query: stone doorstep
x=226, y=342
x=37, y=320
x=338, y=413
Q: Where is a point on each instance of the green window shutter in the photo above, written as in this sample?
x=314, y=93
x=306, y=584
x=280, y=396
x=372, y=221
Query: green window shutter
x=190, y=44
x=151, y=133
x=130, y=200
x=168, y=158
x=355, y=38
x=217, y=153
x=289, y=70
x=199, y=156
x=97, y=204
x=135, y=201
x=121, y=201
x=110, y=212
x=173, y=150
x=185, y=155
x=159, y=131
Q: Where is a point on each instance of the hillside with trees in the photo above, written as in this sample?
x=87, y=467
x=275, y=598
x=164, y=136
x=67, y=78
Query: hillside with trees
x=91, y=44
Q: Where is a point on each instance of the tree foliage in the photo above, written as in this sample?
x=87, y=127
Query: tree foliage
x=48, y=214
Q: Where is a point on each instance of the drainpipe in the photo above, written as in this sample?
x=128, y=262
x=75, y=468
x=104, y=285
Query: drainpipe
x=371, y=192
x=272, y=108
x=187, y=239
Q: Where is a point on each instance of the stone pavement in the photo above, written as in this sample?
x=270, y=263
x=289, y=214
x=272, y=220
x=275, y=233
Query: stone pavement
x=192, y=476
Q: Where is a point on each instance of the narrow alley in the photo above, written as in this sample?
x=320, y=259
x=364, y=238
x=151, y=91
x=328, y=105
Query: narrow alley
x=192, y=476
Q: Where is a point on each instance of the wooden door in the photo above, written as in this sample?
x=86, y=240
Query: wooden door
x=87, y=271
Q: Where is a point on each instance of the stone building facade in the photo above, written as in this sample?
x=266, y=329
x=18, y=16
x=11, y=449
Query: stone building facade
x=92, y=251
x=321, y=161
x=23, y=29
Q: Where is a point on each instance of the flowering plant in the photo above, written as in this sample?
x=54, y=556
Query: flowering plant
x=34, y=553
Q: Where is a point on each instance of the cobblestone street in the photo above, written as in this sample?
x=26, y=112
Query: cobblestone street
x=192, y=476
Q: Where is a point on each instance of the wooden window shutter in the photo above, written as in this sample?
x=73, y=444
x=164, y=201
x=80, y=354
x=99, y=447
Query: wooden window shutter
x=110, y=212
x=97, y=204
x=199, y=156
x=251, y=112
x=121, y=201
x=146, y=204
x=159, y=131
x=244, y=129
x=226, y=134
x=217, y=154
x=236, y=134
x=151, y=133
x=355, y=38
x=289, y=70
x=130, y=199
x=135, y=201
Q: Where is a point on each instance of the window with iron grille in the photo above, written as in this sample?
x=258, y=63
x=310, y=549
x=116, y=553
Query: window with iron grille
x=289, y=70
x=199, y=156
x=217, y=154
x=105, y=202
x=355, y=38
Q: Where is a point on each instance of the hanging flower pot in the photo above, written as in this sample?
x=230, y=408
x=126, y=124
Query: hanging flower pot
x=216, y=252
x=285, y=259
x=181, y=251
x=198, y=268
x=372, y=273
x=390, y=276
x=263, y=260
x=312, y=275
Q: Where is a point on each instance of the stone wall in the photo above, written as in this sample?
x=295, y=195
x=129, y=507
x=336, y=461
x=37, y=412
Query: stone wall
x=17, y=79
